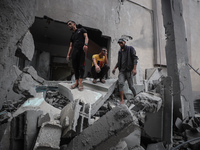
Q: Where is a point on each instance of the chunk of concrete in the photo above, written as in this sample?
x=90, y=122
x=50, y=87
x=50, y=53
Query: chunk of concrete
x=120, y=146
x=25, y=85
x=43, y=118
x=49, y=136
x=74, y=118
x=30, y=70
x=37, y=103
x=25, y=47
x=157, y=146
x=94, y=94
x=150, y=102
x=133, y=139
x=24, y=130
x=107, y=131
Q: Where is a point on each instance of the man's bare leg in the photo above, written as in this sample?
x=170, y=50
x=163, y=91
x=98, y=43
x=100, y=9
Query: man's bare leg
x=80, y=87
x=122, y=97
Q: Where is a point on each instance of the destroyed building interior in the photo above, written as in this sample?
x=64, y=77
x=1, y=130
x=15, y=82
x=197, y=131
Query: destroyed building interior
x=39, y=110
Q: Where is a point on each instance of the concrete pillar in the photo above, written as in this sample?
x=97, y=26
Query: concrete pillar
x=177, y=57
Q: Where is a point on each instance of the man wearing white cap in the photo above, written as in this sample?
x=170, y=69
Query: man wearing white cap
x=127, y=63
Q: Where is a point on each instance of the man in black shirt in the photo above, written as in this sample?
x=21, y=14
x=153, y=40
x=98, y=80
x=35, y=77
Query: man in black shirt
x=127, y=63
x=78, y=46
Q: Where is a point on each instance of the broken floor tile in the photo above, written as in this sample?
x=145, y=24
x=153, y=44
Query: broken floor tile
x=107, y=131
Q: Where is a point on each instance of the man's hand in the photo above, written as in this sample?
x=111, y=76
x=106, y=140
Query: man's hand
x=113, y=71
x=85, y=48
x=97, y=68
x=67, y=58
x=134, y=72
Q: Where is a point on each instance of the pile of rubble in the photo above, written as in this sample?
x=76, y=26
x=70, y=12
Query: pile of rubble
x=57, y=117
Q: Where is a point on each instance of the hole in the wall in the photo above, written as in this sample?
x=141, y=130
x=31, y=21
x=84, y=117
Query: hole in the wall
x=52, y=40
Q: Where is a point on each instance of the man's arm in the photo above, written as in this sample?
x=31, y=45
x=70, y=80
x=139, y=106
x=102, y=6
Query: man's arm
x=106, y=57
x=135, y=58
x=97, y=68
x=116, y=66
x=70, y=50
x=85, y=47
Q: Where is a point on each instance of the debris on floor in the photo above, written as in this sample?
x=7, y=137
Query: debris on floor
x=58, y=117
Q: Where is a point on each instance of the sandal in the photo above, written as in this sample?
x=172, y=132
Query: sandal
x=102, y=81
x=94, y=81
x=74, y=86
x=80, y=87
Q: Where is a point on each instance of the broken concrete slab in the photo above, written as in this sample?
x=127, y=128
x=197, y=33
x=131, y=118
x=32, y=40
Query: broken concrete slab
x=94, y=94
x=148, y=101
x=26, y=47
x=74, y=118
x=133, y=139
x=120, y=146
x=49, y=136
x=38, y=103
x=107, y=131
x=5, y=137
x=30, y=70
x=24, y=130
x=87, y=96
x=43, y=118
x=25, y=85
x=157, y=146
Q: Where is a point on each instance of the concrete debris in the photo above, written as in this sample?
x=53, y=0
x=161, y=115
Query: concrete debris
x=30, y=70
x=25, y=84
x=134, y=138
x=49, y=136
x=25, y=47
x=43, y=118
x=94, y=94
x=74, y=118
x=120, y=146
x=54, y=98
x=38, y=103
x=24, y=130
x=157, y=146
x=148, y=102
x=113, y=126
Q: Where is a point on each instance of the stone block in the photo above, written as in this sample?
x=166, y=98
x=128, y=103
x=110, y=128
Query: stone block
x=49, y=137
x=107, y=131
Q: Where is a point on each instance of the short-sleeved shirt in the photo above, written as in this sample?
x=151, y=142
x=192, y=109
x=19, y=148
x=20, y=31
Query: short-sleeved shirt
x=78, y=38
x=100, y=61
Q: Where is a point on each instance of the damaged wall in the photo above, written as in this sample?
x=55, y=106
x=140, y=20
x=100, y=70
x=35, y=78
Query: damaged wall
x=114, y=18
x=16, y=17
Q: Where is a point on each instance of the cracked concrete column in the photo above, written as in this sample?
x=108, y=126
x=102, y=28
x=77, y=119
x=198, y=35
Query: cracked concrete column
x=177, y=57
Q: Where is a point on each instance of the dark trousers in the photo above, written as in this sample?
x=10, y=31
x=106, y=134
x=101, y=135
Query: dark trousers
x=78, y=63
x=101, y=74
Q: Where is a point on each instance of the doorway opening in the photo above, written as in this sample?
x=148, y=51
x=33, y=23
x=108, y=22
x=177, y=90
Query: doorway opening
x=51, y=39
